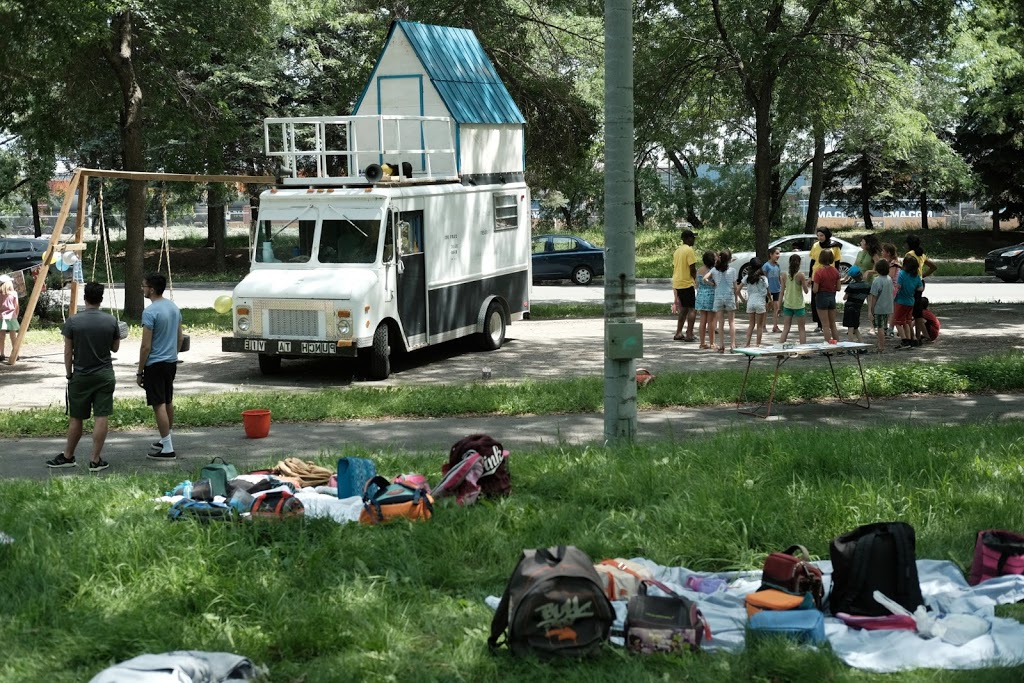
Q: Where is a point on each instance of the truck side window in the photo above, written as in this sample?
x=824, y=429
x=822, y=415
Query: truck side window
x=506, y=211
x=410, y=232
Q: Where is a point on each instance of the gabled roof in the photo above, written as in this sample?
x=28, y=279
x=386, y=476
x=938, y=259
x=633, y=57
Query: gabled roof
x=459, y=68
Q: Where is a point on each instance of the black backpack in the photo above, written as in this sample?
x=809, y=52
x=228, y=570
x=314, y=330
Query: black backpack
x=554, y=605
x=874, y=557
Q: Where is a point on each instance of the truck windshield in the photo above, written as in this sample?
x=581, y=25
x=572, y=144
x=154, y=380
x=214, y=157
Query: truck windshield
x=284, y=241
x=347, y=240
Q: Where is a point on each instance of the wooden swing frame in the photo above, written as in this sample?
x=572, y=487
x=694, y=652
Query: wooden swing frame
x=79, y=184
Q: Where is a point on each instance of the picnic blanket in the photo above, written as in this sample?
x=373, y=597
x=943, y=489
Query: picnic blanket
x=944, y=589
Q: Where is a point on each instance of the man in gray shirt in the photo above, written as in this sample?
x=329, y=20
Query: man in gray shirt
x=89, y=338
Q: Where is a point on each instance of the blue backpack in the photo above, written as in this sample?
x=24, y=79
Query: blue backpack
x=202, y=510
x=353, y=473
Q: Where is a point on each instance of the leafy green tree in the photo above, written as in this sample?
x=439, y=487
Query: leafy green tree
x=79, y=71
x=991, y=133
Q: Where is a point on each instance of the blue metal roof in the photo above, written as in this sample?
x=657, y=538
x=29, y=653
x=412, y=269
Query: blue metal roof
x=462, y=73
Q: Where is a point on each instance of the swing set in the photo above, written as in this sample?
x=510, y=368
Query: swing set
x=80, y=184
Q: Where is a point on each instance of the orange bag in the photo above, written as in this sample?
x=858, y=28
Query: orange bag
x=621, y=578
x=384, y=501
x=776, y=600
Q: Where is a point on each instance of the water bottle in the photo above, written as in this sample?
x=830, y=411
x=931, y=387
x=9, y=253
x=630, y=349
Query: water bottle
x=182, y=489
x=702, y=584
x=241, y=500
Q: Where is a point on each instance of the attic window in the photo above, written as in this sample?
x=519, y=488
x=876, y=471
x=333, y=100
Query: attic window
x=506, y=211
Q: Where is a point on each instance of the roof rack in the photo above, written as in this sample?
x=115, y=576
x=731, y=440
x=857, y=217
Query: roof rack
x=337, y=150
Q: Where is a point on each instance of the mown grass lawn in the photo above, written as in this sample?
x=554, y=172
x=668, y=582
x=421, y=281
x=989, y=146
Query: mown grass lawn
x=889, y=378
x=97, y=574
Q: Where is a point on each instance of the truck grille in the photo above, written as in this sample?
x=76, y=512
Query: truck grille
x=293, y=323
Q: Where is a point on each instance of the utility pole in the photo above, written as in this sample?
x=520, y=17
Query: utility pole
x=623, y=335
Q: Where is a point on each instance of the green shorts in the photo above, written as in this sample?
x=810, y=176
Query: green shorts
x=881, y=321
x=91, y=393
x=795, y=312
x=9, y=325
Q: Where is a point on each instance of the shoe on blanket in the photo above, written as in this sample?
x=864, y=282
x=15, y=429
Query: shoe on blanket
x=61, y=462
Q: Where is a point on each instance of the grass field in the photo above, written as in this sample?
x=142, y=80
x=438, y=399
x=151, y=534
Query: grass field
x=97, y=574
x=1002, y=373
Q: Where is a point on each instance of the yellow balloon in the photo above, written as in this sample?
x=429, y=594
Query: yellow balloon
x=222, y=304
x=53, y=257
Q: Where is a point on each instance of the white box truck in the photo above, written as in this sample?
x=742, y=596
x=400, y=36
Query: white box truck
x=390, y=230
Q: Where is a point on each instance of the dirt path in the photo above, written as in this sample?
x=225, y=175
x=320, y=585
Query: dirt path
x=534, y=350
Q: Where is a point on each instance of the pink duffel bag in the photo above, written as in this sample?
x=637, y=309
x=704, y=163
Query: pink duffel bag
x=997, y=553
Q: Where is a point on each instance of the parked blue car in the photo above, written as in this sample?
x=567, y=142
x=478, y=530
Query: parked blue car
x=564, y=257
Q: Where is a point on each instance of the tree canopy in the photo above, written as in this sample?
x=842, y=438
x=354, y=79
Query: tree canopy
x=877, y=101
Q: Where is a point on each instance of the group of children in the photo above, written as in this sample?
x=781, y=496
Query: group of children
x=891, y=290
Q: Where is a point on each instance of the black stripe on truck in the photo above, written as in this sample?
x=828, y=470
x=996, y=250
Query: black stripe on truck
x=456, y=306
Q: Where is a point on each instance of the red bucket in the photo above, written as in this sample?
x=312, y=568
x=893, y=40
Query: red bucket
x=256, y=422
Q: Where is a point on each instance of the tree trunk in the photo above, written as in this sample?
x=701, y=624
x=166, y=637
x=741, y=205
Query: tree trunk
x=567, y=217
x=688, y=173
x=216, y=225
x=924, y=210
x=865, y=194
x=120, y=55
x=995, y=221
x=762, y=172
x=638, y=204
x=37, y=229
x=817, y=182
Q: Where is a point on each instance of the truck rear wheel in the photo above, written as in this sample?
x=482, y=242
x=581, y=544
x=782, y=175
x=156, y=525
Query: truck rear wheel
x=270, y=365
x=493, y=335
x=380, y=354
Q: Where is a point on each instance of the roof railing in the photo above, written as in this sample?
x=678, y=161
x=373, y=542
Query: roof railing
x=333, y=150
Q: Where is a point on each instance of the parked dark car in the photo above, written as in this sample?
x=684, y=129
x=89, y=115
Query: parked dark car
x=17, y=253
x=564, y=257
x=1006, y=263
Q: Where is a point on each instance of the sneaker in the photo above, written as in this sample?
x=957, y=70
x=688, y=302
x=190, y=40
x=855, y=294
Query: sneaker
x=161, y=456
x=100, y=464
x=155, y=448
x=60, y=462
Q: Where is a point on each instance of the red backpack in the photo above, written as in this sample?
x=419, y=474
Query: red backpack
x=495, y=479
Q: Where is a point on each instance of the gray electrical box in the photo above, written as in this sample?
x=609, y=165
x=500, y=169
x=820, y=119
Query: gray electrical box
x=624, y=340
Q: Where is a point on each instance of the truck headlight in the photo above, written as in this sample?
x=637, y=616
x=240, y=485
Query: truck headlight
x=243, y=323
x=344, y=327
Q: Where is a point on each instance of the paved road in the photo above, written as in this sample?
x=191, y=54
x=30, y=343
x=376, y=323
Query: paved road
x=950, y=290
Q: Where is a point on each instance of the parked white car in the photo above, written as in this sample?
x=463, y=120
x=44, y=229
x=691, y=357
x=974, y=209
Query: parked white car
x=798, y=244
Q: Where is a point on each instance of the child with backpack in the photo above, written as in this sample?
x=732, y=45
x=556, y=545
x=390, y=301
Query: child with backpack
x=705, y=302
x=855, y=295
x=756, y=284
x=723, y=277
x=908, y=282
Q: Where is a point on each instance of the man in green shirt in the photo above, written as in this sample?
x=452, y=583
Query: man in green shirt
x=89, y=338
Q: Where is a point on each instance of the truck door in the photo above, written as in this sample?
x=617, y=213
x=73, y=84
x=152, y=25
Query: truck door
x=412, y=275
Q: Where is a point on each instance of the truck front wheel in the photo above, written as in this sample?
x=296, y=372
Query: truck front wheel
x=270, y=365
x=380, y=354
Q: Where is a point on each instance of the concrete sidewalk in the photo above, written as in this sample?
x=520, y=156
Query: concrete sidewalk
x=24, y=458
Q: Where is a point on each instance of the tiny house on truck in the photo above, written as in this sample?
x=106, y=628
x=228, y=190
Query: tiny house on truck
x=404, y=225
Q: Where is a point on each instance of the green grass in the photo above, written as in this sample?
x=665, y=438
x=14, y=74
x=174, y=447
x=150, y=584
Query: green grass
x=955, y=252
x=1004, y=373
x=97, y=574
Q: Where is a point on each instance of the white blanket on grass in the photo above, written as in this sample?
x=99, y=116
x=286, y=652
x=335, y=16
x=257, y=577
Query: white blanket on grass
x=944, y=589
